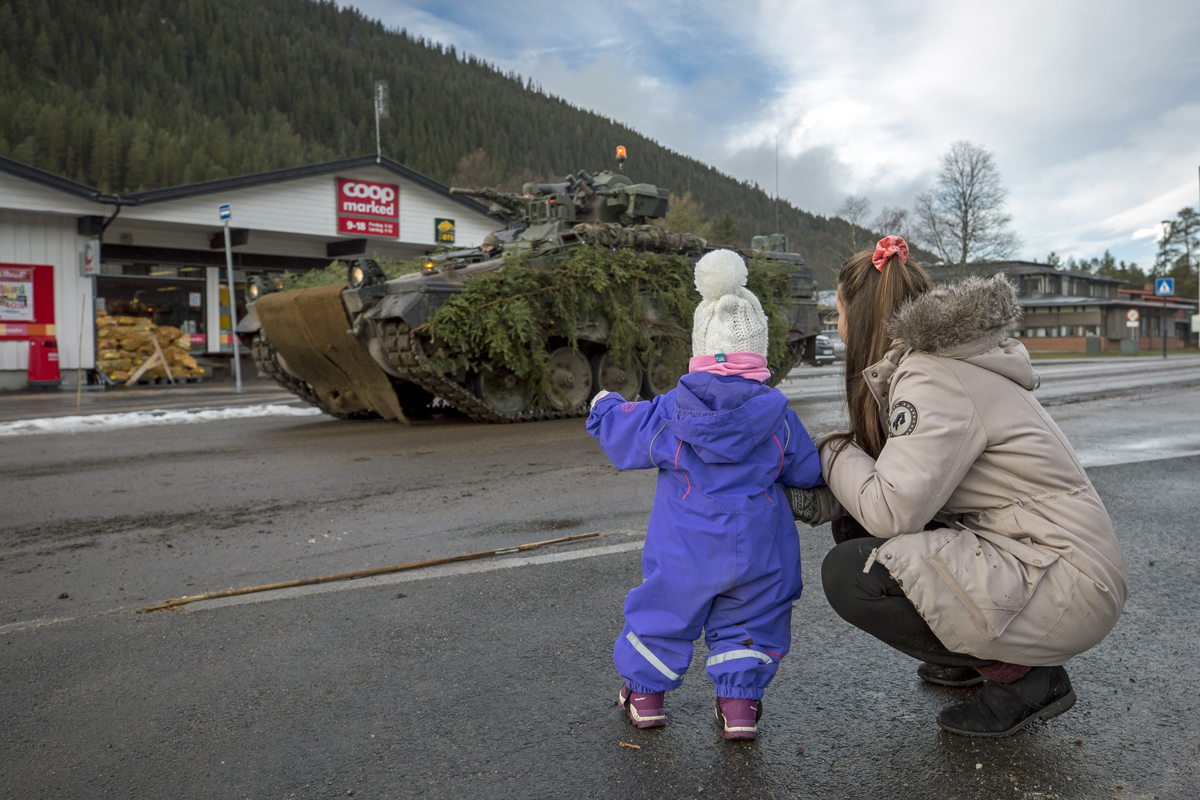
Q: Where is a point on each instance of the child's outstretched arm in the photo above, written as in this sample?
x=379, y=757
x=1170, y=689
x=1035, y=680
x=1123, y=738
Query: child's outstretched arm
x=626, y=430
x=801, y=464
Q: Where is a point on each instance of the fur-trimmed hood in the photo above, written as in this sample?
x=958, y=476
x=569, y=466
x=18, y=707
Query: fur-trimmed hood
x=970, y=321
x=955, y=314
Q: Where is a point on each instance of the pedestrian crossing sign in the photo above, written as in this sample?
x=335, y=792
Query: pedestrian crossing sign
x=1164, y=287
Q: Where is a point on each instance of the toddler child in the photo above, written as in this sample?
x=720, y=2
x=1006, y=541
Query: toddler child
x=722, y=554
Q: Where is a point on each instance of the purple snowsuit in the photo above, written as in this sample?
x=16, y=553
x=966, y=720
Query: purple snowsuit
x=722, y=555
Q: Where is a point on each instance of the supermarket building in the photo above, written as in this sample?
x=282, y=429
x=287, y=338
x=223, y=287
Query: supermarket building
x=68, y=250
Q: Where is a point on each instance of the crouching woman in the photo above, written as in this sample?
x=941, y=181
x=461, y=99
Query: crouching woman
x=981, y=547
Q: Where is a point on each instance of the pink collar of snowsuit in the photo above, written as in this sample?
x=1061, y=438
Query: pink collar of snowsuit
x=742, y=365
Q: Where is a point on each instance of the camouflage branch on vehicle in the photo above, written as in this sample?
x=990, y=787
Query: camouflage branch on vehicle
x=642, y=237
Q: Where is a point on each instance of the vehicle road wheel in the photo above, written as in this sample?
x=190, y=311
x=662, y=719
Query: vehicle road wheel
x=570, y=379
x=662, y=374
x=610, y=376
x=502, y=391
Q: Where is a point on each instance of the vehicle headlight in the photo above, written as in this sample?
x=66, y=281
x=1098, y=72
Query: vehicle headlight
x=255, y=288
x=356, y=277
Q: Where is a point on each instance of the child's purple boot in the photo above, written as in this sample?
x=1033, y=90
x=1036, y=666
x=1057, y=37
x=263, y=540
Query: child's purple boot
x=738, y=717
x=645, y=710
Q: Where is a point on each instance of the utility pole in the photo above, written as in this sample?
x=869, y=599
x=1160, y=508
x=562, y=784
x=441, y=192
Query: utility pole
x=1164, y=326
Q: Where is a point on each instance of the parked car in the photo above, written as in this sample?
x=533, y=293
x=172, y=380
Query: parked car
x=824, y=353
x=835, y=340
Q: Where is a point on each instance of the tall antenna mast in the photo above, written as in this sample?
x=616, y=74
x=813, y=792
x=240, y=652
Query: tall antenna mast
x=777, y=184
x=381, y=110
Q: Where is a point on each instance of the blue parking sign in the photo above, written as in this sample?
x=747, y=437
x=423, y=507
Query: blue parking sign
x=1164, y=287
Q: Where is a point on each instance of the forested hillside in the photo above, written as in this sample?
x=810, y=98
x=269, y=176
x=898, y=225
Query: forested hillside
x=128, y=95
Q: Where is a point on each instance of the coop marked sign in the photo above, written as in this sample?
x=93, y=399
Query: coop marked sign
x=367, y=208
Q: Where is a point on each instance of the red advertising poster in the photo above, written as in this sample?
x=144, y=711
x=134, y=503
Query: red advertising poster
x=26, y=301
x=368, y=227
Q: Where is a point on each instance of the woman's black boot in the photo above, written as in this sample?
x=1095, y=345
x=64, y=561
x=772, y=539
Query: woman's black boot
x=1000, y=709
x=949, y=676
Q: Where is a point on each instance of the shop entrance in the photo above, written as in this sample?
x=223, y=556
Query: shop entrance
x=151, y=321
x=166, y=295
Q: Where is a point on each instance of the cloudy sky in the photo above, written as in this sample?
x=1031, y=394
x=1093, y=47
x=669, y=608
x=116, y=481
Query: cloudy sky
x=1091, y=109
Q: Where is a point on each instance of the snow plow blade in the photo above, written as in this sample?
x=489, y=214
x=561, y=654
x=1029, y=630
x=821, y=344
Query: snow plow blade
x=310, y=331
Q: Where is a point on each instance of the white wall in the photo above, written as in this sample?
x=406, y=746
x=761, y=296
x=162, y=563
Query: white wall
x=41, y=239
x=27, y=195
x=420, y=207
x=14, y=356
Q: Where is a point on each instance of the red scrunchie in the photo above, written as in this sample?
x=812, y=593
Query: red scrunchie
x=887, y=247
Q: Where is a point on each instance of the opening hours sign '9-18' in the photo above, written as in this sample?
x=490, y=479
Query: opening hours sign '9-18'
x=367, y=208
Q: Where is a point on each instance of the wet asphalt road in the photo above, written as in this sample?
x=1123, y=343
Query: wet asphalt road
x=493, y=678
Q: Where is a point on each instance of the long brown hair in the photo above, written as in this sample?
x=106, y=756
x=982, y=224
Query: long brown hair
x=869, y=299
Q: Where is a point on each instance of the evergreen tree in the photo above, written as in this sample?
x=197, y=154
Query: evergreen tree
x=1179, y=252
x=726, y=231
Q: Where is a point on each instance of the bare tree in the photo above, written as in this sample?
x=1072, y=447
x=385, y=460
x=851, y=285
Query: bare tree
x=854, y=210
x=893, y=222
x=962, y=218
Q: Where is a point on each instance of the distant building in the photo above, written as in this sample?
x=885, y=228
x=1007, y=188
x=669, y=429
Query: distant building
x=1061, y=310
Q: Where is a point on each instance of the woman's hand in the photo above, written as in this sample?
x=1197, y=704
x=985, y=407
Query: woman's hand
x=803, y=503
x=814, y=506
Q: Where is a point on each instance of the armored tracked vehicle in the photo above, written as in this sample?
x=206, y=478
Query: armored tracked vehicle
x=580, y=292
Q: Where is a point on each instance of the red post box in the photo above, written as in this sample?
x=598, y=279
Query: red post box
x=43, y=363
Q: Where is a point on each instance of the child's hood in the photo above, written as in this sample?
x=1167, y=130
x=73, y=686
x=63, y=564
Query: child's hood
x=723, y=418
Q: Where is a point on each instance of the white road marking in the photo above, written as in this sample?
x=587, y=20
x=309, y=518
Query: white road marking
x=445, y=571
x=1181, y=446
x=31, y=624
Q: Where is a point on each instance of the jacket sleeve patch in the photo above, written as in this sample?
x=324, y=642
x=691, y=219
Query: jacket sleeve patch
x=903, y=419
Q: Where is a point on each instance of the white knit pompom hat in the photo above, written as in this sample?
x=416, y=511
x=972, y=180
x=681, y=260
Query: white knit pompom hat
x=729, y=318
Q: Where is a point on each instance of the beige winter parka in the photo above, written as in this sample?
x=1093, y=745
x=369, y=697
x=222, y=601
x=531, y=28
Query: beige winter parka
x=1027, y=568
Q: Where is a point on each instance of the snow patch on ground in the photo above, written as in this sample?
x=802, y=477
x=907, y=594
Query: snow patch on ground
x=137, y=419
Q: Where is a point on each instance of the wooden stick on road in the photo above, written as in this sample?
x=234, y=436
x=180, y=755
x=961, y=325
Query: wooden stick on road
x=362, y=573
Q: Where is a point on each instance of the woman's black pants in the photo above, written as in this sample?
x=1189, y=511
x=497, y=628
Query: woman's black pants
x=874, y=602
